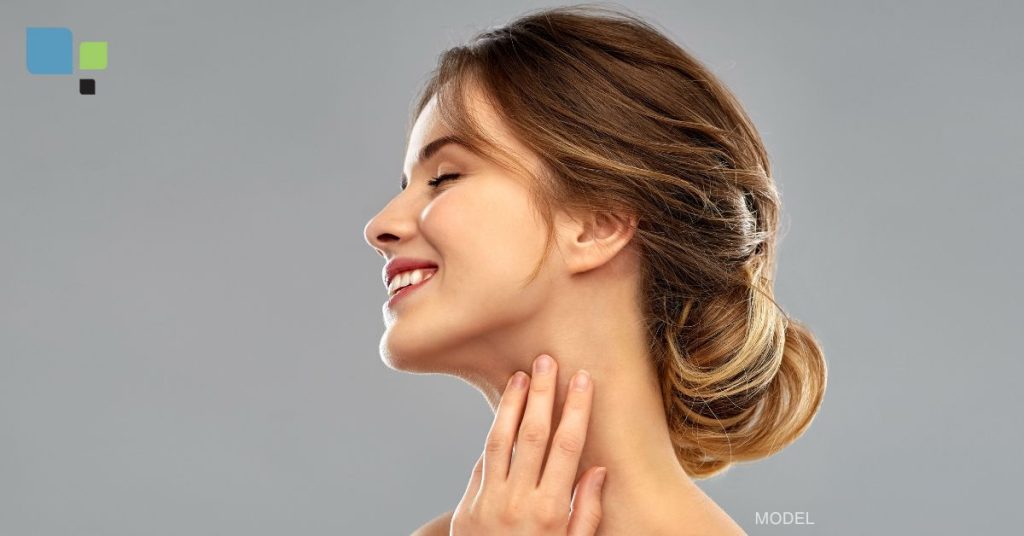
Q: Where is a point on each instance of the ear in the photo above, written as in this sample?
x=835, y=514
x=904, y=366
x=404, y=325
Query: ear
x=589, y=240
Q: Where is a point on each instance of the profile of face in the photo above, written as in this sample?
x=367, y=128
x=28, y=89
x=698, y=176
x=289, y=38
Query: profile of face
x=485, y=236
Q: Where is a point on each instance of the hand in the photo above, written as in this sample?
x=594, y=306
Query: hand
x=509, y=496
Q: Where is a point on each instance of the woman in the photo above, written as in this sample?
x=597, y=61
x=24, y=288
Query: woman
x=576, y=185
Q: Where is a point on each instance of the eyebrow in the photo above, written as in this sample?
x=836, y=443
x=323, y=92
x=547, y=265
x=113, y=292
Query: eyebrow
x=432, y=148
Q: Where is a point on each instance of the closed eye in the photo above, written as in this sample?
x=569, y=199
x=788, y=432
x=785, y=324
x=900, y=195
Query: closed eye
x=439, y=179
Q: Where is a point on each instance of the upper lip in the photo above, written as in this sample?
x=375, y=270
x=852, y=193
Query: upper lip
x=402, y=264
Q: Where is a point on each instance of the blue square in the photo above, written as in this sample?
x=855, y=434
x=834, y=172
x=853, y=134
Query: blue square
x=48, y=50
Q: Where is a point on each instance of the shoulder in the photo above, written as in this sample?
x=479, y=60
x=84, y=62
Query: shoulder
x=439, y=526
x=700, y=515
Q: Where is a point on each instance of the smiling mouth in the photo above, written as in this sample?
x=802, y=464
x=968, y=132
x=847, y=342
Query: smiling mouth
x=404, y=290
x=410, y=278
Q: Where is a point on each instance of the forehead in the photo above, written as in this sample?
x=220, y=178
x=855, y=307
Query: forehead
x=429, y=127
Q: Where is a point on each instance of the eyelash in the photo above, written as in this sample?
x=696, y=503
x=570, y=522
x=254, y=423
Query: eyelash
x=434, y=182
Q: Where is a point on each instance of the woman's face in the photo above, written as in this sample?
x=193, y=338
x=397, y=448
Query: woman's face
x=483, y=234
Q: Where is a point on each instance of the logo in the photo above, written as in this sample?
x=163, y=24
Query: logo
x=50, y=51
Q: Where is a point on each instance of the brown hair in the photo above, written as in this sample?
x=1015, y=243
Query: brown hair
x=626, y=121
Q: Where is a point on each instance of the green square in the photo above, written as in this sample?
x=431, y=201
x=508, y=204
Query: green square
x=92, y=55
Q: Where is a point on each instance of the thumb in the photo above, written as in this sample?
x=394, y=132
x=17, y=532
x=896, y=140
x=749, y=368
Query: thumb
x=585, y=512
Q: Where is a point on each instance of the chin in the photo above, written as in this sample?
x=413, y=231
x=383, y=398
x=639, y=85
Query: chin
x=404, y=355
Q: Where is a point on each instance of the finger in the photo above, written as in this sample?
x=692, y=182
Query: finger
x=498, y=446
x=474, y=481
x=534, y=431
x=564, y=460
x=586, y=512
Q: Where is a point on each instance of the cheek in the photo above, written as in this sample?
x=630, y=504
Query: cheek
x=487, y=237
x=488, y=241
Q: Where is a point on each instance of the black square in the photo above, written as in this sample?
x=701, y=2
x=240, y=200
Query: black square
x=87, y=86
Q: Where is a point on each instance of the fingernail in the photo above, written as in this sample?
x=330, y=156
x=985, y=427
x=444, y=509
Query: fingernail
x=581, y=380
x=519, y=379
x=599, y=479
x=543, y=363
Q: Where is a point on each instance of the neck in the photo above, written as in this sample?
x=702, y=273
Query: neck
x=628, y=431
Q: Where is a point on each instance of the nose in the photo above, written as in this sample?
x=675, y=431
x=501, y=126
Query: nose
x=390, y=226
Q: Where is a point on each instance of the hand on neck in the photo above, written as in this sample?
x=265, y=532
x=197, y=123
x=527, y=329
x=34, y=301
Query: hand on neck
x=628, y=430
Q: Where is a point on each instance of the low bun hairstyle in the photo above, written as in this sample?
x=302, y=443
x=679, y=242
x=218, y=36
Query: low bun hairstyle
x=626, y=121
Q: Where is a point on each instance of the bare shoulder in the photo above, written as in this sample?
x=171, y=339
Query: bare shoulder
x=714, y=520
x=700, y=516
x=439, y=526
x=703, y=525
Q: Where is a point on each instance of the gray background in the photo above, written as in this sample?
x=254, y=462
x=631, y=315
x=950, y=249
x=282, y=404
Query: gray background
x=189, y=314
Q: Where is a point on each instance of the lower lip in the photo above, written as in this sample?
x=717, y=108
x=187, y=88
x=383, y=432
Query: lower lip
x=404, y=291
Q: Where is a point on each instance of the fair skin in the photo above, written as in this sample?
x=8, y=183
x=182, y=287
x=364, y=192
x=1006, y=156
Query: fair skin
x=474, y=319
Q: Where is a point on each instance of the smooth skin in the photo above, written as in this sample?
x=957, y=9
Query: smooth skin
x=512, y=490
x=521, y=493
x=481, y=319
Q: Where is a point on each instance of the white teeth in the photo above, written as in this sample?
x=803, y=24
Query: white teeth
x=410, y=278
